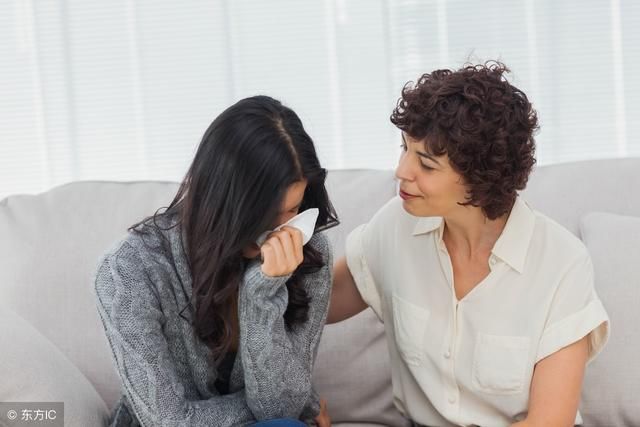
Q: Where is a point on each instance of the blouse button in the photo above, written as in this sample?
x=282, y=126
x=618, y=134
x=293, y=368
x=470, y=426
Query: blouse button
x=447, y=355
x=452, y=399
x=492, y=260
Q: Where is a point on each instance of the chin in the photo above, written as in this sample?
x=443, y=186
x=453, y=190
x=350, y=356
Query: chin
x=416, y=210
x=410, y=208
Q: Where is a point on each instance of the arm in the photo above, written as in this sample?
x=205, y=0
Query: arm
x=555, y=387
x=133, y=322
x=577, y=329
x=278, y=362
x=346, y=300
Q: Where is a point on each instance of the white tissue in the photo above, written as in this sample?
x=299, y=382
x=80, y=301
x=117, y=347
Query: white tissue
x=304, y=221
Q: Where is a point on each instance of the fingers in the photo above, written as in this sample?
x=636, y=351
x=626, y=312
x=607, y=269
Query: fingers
x=323, y=419
x=323, y=409
x=296, y=240
x=282, y=252
x=287, y=255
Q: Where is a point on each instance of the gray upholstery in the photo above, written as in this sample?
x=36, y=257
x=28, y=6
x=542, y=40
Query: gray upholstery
x=50, y=244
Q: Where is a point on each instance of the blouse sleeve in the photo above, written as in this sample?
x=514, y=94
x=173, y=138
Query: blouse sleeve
x=359, y=257
x=575, y=312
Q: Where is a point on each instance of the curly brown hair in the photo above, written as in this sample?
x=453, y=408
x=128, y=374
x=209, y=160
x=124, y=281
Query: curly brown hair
x=483, y=123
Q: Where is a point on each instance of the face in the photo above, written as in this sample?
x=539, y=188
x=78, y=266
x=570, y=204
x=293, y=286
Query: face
x=428, y=184
x=288, y=209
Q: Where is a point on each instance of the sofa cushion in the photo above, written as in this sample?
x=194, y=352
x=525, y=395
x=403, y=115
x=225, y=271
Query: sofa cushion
x=352, y=370
x=611, y=386
x=34, y=370
x=51, y=243
x=353, y=373
x=49, y=251
x=568, y=191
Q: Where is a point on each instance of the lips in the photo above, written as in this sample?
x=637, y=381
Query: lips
x=406, y=196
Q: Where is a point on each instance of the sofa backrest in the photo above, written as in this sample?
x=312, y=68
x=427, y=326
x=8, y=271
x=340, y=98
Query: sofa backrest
x=49, y=250
x=566, y=192
x=50, y=244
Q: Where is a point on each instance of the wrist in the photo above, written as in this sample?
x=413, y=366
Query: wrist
x=256, y=281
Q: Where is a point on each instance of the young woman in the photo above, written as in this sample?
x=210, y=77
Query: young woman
x=489, y=307
x=207, y=328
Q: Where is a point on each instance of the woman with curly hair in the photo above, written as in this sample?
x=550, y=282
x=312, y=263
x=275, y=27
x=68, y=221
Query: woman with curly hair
x=489, y=307
x=209, y=323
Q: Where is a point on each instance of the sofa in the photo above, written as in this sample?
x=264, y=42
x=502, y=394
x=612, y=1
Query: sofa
x=53, y=347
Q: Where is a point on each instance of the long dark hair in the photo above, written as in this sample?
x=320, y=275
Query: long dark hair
x=232, y=192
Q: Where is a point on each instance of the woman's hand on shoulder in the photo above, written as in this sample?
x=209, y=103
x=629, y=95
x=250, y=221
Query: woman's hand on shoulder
x=282, y=252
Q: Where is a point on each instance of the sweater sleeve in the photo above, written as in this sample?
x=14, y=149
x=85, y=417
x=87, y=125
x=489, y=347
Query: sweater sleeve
x=133, y=321
x=278, y=362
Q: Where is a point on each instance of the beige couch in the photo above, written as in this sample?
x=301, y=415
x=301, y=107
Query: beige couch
x=54, y=348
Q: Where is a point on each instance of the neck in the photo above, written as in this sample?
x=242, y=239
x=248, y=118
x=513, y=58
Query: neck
x=470, y=233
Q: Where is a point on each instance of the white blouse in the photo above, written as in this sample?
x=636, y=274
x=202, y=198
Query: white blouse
x=470, y=361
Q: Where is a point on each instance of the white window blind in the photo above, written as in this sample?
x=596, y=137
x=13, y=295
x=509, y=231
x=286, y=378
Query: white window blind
x=123, y=90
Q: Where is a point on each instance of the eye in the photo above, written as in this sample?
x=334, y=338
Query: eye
x=403, y=146
x=429, y=168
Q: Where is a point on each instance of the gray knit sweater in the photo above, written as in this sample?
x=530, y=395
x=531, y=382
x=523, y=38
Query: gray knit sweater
x=142, y=285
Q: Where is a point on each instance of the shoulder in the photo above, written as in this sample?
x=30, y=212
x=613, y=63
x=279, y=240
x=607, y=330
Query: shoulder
x=320, y=242
x=557, y=242
x=390, y=227
x=392, y=212
x=119, y=270
x=121, y=279
x=123, y=252
x=390, y=222
x=556, y=257
x=132, y=249
x=133, y=256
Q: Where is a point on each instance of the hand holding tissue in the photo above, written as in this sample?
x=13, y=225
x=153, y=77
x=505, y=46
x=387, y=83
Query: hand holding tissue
x=304, y=221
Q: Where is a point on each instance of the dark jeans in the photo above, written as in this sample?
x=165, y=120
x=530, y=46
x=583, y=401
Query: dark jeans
x=281, y=422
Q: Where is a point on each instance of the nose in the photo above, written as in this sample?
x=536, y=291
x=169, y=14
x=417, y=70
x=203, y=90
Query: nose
x=404, y=170
x=282, y=218
x=287, y=217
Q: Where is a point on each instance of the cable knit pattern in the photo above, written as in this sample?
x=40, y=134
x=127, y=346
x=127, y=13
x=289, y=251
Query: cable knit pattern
x=142, y=285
